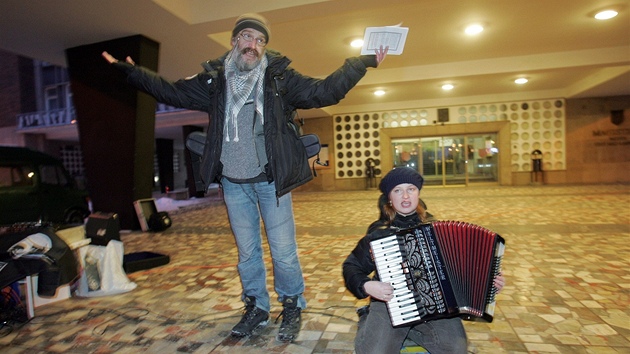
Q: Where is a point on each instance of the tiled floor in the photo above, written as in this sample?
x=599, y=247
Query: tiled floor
x=567, y=267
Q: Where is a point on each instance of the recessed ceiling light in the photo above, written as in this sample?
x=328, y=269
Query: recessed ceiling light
x=521, y=81
x=357, y=43
x=379, y=92
x=447, y=87
x=606, y=14
x=473, y=29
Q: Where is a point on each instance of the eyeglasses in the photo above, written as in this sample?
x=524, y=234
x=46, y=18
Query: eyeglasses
x=248, y=37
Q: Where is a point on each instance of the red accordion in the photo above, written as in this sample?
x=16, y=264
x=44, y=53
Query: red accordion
x=439, y=270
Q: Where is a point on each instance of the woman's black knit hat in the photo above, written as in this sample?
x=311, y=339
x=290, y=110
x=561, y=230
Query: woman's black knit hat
x=398, y=176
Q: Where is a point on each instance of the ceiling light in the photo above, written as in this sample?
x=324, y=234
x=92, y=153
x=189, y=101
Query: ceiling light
x=521, y=81
x=606, y=14
x=447, y=87
x=379, y=92
x=474, y=29
x=357, y=43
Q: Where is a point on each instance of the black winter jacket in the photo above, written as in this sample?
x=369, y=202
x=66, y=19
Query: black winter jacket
x=285, y=90
x=360, y=264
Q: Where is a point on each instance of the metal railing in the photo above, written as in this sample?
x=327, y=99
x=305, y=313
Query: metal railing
x=42, y=119
x=66, y=116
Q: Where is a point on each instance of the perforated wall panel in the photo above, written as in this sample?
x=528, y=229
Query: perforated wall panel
x=534, y=125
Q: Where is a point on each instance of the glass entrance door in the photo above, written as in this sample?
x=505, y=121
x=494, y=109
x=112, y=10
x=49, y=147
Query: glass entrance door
x=482, y=158
x=454, y=162
x=449, y=160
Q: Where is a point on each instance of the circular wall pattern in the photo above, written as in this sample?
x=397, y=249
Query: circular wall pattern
x=535, y=125
x=548, y=136
x=362, y=145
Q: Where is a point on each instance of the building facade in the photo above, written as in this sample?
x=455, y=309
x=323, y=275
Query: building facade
x=545, y=141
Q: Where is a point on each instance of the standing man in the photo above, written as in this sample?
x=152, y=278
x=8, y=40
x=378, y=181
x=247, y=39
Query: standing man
x=250, y=94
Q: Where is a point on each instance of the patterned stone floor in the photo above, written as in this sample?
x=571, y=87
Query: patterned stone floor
x=567, y=267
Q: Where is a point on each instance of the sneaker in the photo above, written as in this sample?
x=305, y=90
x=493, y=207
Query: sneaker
x=252, y=319
x=291, y=320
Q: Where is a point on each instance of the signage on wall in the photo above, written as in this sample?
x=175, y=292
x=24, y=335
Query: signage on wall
x=614, y=137
x=610, y=145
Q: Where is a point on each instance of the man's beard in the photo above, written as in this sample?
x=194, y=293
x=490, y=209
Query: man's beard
x=244, y=65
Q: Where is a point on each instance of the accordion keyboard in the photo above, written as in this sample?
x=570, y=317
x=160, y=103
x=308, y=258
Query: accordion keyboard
x=389, y=262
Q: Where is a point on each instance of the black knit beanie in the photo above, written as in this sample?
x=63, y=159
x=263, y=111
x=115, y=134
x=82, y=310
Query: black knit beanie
x=251, y=20
x=398, y=176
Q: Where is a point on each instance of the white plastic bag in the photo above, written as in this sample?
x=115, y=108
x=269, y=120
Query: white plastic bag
x=109, y=262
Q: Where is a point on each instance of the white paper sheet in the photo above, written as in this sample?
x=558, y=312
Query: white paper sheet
x=392, y=36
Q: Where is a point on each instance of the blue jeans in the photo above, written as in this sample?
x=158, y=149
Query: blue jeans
x=376, y=334
x=246, y=202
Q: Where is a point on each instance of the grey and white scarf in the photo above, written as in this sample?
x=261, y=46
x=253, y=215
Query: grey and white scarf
x=239, y=88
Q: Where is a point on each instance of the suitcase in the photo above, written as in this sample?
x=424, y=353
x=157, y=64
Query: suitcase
x=133, y=262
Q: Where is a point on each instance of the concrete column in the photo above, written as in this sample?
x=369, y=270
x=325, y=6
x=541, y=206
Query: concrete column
x=116, y=124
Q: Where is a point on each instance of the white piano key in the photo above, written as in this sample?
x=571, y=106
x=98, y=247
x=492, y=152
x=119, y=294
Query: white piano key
x=402, y=300
x=383, y=262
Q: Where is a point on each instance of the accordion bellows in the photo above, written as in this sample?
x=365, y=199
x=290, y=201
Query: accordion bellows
x=439, y=270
